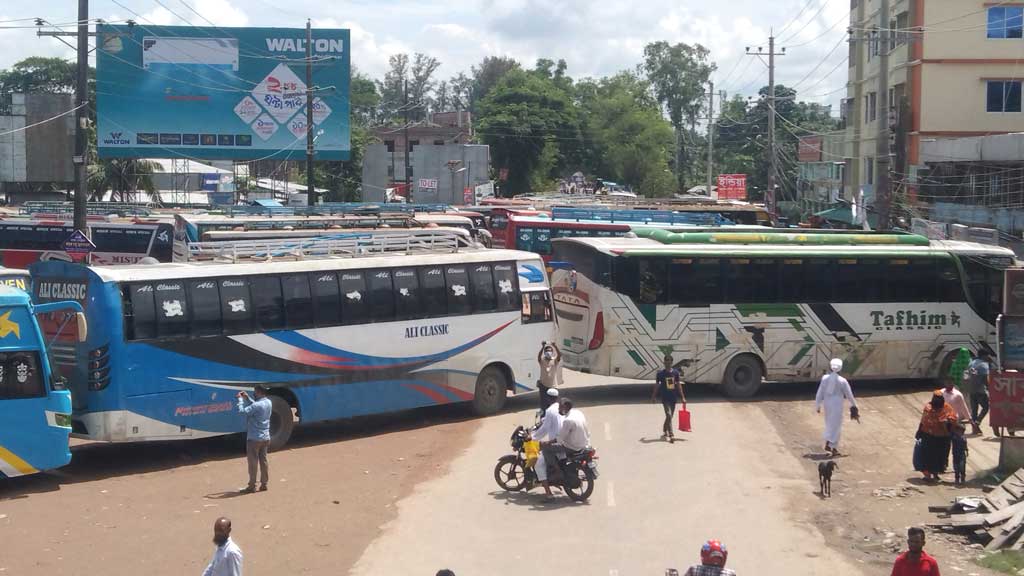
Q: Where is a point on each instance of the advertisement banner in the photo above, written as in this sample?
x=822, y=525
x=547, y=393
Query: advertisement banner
x=1013, y=292
x=809, y=149
x=467, y=195
x=219, y=93
x=428, y=183
x=732, y=186
x=1006, y=398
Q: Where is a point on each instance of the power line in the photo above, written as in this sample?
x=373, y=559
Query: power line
x=41, y=122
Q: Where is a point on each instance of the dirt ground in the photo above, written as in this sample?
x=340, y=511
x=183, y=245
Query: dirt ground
x=149, y=508
x=876, y=493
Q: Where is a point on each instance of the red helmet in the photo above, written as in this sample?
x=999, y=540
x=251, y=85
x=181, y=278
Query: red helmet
x=713, y=553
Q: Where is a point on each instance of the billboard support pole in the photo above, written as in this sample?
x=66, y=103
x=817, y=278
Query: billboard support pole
x=310, y=192
x=81, y=117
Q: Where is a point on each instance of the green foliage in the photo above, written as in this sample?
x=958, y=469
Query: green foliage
x=1005, y=561
x=41, y=74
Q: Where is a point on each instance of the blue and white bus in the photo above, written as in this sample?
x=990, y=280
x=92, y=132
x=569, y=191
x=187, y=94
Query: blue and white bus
x=333, y=336
x=35, y=408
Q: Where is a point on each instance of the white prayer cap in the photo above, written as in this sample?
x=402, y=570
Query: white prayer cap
x=553, y=392
x=836, y=364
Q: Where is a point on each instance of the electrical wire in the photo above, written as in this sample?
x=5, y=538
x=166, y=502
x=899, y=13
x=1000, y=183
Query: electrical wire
x=41, y=122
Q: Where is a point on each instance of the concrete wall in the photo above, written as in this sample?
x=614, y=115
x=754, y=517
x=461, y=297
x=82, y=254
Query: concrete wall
x=12, y=146
x=428, y=161
x=41, y=153
x=956, y=96
x=965, y=31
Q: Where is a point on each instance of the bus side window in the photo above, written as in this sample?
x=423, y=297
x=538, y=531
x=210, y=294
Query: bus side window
x=524, y=239
x=483, y=288
x=354, y=300
x=819, y=280
x=407, y=294
x=542, y=241
x=433, y=298
x=205, y=307
x=751, y=280
x=20, y=377
x=143, y=326
x=382, y=296
x=506, y=285
x=326, y=298
x=236, y=305
x=536, y=307
x=267, y=302
x=457, y=288
x=298, y=303
x=948, y=286
x=171, y=309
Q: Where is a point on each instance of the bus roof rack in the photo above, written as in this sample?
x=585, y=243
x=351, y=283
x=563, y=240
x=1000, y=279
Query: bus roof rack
x=350, y=245
x=33, y=207
x=823, y=238
x=331, y=208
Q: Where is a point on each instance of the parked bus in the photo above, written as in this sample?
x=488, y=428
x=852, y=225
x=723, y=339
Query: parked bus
x=35, y=407
x=354, y=327
x=15, y=278
x=736, y=308
x=23, y=241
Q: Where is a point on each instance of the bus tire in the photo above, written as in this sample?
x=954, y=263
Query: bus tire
x=742, y=377
x=282, y=422
x=490, y=394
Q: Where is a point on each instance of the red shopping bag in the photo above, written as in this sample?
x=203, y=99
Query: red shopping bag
x=684, y=419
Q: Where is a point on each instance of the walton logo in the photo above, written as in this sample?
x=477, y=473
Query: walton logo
x=299, y=45
x=116, y=139
x=909, y=320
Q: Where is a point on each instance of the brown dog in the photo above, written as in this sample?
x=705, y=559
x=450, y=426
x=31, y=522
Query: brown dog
x=825, y=470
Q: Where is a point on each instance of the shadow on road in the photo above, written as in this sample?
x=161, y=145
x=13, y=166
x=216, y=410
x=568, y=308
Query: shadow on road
x=535, y=500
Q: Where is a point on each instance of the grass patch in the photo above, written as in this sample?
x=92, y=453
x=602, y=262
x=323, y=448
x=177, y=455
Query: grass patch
x=1006, y=561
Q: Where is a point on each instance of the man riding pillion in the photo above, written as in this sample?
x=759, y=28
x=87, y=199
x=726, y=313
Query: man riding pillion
x=572, y=436
x=546, y=433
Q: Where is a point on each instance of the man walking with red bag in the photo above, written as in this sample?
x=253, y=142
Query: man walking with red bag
x=668, y=385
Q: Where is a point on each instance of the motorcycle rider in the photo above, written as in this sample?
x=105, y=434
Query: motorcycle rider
x=574, y=434
x=546, y=434
x=712, y=561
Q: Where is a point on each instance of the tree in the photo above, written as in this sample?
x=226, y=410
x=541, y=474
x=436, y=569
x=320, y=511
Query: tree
x=461, y=88
x=421, y=84
x=41, y=74
x=441, y=102
x=392, y=88
x=122, y=176
x=488, y=73
x=364, y=100
x=679, y=74
x=531, y=126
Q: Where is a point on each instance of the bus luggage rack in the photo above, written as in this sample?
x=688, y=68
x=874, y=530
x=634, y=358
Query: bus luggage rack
x=33, y=207
x=640, y=216
x=331, y=246
x=332, y=208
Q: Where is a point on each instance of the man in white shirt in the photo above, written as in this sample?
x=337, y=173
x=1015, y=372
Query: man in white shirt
x=574, y=435
x=227, y=558
x=956, y=399
x=546, y=434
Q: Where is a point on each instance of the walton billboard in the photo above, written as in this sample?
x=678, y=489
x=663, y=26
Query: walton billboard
x=216, y=93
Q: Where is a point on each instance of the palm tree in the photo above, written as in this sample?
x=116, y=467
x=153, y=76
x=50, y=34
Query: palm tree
x=122, y=176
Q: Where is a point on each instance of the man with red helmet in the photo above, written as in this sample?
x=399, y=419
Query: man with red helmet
x=712, y=561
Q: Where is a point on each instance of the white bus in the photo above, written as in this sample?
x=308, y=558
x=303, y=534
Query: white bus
x=352, y=327
x=734, y=308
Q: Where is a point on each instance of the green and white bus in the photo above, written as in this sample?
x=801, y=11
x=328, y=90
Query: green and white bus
x=735, y=308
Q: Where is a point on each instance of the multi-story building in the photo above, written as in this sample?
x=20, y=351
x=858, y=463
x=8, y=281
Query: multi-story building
x=955, y=70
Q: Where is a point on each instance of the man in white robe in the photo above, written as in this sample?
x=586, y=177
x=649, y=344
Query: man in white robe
x=833, y=391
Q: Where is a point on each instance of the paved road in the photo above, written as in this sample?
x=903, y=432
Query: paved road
x=655, y=503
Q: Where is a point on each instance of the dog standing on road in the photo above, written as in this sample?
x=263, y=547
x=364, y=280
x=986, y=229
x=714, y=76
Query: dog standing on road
x=825, y=470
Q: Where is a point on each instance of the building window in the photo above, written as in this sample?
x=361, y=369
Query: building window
x=852, y=57
x=391, y=170
x=872, y=44
x=1006, y=22
x=870, y=107
x=869, y=170
x=389, y=145
x=1003, y=96
x=438, y=142
x=413, y=143
x=902, y=28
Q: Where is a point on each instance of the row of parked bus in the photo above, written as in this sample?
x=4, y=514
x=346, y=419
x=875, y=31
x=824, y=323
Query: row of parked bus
x=360, y=321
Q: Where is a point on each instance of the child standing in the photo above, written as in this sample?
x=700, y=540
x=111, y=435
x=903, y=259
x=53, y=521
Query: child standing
x=959, y=454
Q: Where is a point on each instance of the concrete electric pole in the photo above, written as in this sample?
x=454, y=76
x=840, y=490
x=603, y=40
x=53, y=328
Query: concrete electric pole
x=773, y=157
x=81, y=157
x=310, y=192
x=883, y=189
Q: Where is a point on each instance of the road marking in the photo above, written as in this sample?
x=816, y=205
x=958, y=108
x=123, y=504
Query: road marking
x=608, y=431
x=611, y=495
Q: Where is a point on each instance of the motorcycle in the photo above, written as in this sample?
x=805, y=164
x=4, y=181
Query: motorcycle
x=575, y=473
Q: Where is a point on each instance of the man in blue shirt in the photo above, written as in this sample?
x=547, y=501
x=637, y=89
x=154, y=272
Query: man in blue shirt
x=257, y=435
x=668, y=385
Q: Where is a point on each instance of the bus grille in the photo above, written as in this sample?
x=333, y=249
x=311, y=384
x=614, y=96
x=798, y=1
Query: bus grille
x=64, y=354
x=99, y=368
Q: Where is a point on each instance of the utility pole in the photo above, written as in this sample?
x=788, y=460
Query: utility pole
x=405, y=139
x=310, y=192
x=81, y=156
x=883, y=191
x=772, y=156
x=711, y=138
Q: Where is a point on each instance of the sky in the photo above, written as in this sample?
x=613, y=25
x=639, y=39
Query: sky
x=594, y=38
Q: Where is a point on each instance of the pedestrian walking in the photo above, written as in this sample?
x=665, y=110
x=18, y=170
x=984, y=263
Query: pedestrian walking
x=955, y=399
x=227, y=558
x=934, y=437
x=959, y=442
x=959, y=366
x=257, y=435
x=549, y=358
x=668, y=386
x=915, y=561
x=980, y=370
x=833, y=392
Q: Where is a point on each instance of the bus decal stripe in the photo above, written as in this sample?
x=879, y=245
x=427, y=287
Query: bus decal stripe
x=438, y=396
x=12, y=465
x=833, y=322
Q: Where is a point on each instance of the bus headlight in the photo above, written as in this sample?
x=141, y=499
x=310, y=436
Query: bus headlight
x=62, y=420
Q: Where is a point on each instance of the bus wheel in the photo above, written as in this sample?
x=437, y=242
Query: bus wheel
x=282, y=422
x=491, y=387
x=742, y=377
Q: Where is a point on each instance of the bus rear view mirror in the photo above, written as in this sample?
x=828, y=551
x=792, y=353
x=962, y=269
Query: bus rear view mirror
x=83, y=326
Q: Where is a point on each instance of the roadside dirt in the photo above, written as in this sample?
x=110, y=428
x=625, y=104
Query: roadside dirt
x=149, y=508
x=876, y=495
